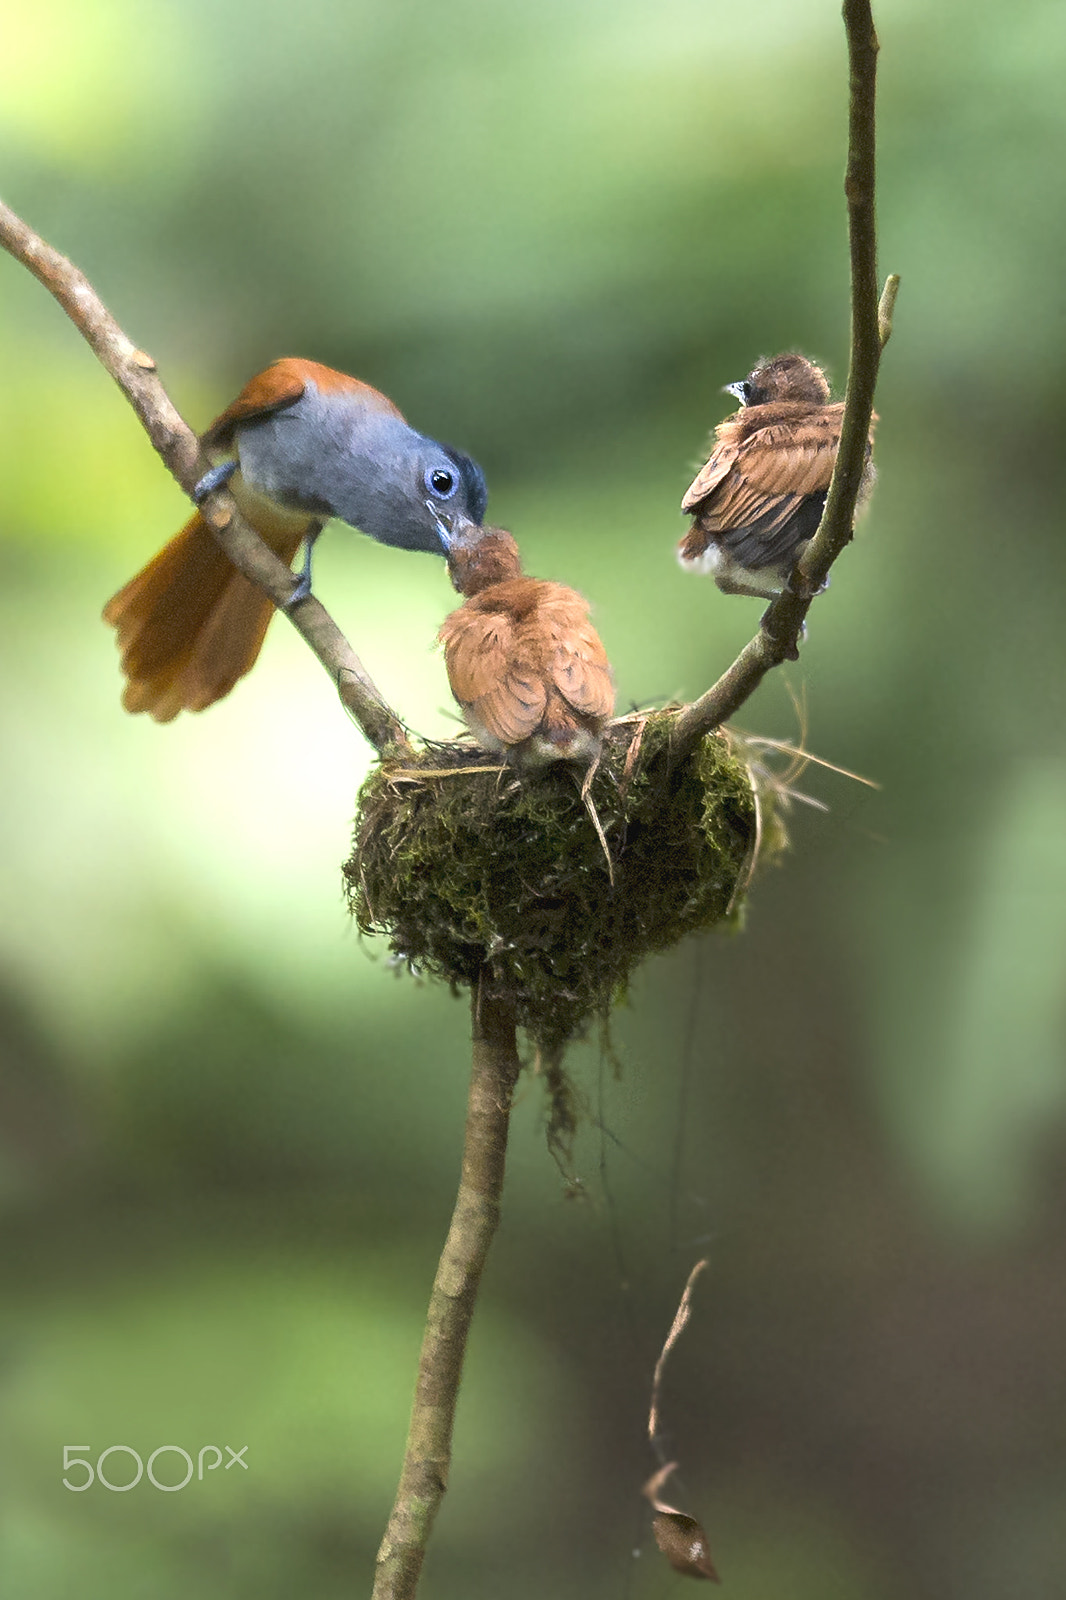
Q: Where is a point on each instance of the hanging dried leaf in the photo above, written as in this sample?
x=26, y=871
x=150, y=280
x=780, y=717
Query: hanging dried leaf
x=684, y=1544
x=680, y=1538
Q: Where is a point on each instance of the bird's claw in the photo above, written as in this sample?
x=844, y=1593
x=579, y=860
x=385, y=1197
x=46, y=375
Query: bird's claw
x=790, y=650
x=802, y=589
x=302, y=591
x=213, y=479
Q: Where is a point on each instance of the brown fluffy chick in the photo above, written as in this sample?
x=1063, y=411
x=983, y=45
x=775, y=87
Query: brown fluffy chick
x=523, y=660
x=758, y=501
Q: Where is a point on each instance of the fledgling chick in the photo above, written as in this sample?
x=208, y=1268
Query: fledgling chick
x=760, y=498
x=523, y=659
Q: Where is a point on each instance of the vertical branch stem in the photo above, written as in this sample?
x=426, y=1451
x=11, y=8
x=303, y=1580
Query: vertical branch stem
x=780, y=630
x=494, y=1069
x=860, y=175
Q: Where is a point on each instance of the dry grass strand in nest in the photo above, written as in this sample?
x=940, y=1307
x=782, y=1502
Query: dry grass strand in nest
x=459, y=864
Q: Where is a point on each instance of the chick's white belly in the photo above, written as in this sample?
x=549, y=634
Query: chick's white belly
x=720, y=565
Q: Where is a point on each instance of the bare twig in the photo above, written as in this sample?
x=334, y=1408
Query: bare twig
x=871, y=325
x=135, y=373
x=424, y=1477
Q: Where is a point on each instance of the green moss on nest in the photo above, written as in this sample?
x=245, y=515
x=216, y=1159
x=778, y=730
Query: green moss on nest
x=481, y=867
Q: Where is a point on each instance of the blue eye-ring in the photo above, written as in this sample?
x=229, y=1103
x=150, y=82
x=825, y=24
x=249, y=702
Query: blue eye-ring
x=441, y=482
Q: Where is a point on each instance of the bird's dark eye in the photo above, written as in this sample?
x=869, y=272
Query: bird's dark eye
x=441, y=482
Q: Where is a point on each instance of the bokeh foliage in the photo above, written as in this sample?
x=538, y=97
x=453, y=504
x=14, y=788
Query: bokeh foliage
x=227, y=1137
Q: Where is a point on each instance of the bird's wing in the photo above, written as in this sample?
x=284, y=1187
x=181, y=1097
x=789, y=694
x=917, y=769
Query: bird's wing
x=761, y=495
x=281, y=385
x=792, y=458
x=577, y=660
x=785, y=461
x=723, y=456
x=488, y=674
x=762, y=491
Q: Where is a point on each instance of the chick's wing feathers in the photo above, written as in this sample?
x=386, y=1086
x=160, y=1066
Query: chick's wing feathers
x=488, y=675
x=514, y=708
x=793, y=460
x=721, y=462
x=584, y=681
x=576, y=660
x=785, y=461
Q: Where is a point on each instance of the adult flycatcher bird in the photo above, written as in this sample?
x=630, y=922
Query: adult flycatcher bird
x=307, y=443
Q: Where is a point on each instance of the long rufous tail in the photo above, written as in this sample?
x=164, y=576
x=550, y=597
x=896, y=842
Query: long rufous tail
x=189, y=624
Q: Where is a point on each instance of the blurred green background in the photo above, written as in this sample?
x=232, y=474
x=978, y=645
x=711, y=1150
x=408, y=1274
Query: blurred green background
x=228, y=1134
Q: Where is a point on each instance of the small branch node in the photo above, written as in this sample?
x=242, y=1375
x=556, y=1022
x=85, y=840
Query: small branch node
x=886, y=307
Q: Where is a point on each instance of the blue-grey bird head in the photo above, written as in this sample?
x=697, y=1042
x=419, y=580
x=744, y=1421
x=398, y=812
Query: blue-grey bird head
x=405, y=489
x=457, y=495
x=339, y=456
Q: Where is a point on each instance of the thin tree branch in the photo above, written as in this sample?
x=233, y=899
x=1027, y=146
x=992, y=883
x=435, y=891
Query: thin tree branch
x=871, y=324
x=424, y=1478
x=135, y=373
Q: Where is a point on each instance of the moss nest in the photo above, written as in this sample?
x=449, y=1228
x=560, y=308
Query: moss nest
x=460, y=867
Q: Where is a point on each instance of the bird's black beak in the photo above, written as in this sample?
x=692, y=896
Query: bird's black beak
x=451, y=525
x=443, y=525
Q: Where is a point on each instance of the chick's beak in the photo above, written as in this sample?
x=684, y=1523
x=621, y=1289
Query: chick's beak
x=736, y=389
